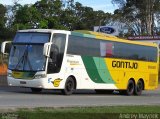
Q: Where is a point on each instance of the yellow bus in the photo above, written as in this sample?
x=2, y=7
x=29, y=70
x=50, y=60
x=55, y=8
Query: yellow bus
x=72, y=60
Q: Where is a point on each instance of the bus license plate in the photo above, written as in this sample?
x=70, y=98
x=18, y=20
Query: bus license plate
x=23, y=82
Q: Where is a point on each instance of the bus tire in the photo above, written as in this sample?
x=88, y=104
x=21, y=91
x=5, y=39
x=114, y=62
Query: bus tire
x=130, y=89
x=36, y=90
x=69, y=86
x=138, y=88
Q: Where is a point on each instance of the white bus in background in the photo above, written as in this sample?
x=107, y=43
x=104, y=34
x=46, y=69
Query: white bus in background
x=70, y=60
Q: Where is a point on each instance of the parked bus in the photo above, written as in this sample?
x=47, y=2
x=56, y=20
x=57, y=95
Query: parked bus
x=70, y=60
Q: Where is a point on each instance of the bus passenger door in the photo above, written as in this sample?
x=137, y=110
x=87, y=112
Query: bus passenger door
x=55, y=60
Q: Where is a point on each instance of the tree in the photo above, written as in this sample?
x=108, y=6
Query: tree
x=138, y=15
x=50, y=11
x=27, y=17
x=2, y=16
x=53, y=14
x=86, y=18
x=3, y=20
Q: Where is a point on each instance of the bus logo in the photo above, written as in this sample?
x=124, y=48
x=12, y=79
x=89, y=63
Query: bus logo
x=56, y=82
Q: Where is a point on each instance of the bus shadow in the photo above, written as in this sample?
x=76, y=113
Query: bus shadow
x=21, y=90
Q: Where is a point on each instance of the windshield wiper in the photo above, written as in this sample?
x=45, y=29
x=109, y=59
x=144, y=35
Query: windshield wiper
x=24, y=59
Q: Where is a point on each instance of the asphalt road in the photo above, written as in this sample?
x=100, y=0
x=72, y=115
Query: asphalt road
x=12, y=97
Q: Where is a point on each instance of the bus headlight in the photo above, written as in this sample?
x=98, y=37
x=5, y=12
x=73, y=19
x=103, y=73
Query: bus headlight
x=38, y=76
x=9, y=74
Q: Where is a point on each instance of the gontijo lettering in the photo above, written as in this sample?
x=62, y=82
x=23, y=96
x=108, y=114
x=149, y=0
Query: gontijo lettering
x=123, y=64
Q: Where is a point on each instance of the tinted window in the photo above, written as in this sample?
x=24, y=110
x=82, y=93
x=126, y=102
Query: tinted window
x=135, y=52
x=83, y=46
x=92, y=47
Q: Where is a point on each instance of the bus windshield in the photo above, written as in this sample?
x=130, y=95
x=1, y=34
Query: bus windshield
x=27, y=57
x=27, y=51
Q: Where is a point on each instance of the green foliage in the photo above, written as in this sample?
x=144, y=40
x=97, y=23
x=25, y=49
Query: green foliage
x=139, y=16
x=2, y=16
x=70, y=15
x=27, y=17
x=50, y=14
x=2, y=22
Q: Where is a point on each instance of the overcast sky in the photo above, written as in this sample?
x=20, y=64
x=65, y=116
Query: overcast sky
x=104, y=5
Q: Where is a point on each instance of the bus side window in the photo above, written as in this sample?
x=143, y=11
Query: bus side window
x=106, y=49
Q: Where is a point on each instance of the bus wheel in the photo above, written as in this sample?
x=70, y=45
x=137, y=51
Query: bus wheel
x=69, y=86
x=36, y=90
x=138, y=88
x=130, y=89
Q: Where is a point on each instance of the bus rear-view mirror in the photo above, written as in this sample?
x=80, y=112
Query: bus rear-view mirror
x=46, y=49
x=6, y=47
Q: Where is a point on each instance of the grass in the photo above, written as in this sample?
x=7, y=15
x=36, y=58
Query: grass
x=110, y=112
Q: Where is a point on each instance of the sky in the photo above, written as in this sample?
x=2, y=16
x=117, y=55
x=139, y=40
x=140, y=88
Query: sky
x=104, y=5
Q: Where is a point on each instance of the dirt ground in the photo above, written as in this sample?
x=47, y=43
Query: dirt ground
x=3, y=80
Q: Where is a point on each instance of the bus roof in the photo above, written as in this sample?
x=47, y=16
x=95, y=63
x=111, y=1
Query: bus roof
x=103, y=36
x=45, y=31
x=90, y=34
